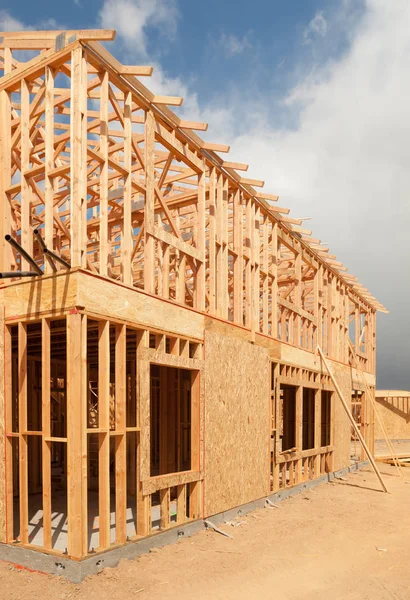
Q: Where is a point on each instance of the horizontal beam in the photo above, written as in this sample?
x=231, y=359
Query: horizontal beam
x=216, y=147
x=139, y=71
x=235, y=165
x=171, y=100
x=193, y=125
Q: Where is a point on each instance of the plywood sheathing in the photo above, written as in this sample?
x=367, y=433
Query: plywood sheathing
x=341, y=424
x=237, y=388
x=393, y=407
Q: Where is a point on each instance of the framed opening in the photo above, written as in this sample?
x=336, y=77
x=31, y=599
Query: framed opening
x=326, y=436
x=308, y=415
x=288, y=410
x=171, y=420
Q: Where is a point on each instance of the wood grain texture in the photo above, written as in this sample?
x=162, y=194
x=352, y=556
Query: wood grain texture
x=237, y=387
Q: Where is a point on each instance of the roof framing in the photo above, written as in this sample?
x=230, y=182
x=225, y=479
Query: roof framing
x=119, y=184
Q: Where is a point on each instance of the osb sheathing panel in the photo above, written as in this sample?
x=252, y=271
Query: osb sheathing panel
x=298, y=357
x=217, y=326
x=116, y=300
x=394, y=413
x=40, y=295
x=341, y=423
x=237, y=388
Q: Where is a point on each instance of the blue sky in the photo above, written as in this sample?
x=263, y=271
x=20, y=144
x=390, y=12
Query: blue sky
x=214, y=46
x=313, y=95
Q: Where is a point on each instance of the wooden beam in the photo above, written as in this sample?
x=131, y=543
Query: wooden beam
x=140, y=71
x=120, y=440
x=46, y=429
x=352, y=421
x=49, y=165
x=8, y=427
x=78, y=189
x=193, y=125
x=23, y=442
x=252, y=182
x=215, y=147
x=104, y=243
x=235, y=165
x=126, y=245
x=171, y=100
x=75, y=428
x=26, y=191
x=103, y=436
x=149, y=246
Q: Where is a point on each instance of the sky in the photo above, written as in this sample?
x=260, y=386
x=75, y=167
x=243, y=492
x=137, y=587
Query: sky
x=313, y=95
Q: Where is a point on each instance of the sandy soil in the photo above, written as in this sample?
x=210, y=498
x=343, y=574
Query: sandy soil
x=342, y=540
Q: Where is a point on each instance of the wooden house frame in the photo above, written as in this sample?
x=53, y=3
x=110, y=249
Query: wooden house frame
x=158, y=347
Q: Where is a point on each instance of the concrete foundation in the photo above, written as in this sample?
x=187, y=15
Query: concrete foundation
x=77, y=571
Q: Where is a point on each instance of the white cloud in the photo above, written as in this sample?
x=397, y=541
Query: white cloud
x=9, y=23
x=132, y=18
x=347, y=164
x=232, y=45
x=316, y=28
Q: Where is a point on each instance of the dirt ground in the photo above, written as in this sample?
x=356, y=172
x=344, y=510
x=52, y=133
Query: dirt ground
x=342, y=540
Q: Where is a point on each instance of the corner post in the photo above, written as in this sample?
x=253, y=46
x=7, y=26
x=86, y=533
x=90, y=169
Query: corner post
x=76, y=439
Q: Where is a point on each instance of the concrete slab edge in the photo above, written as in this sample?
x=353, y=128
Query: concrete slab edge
x=77, y=571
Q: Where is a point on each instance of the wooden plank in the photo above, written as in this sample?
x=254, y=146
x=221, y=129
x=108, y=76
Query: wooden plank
x=200, y=290
x=299, y=418
x=75, y=427
x=248, y=266
x=238, y=261
x=103, y=437
x=4, y=382
x=149, y=203
x=352, y=421
x=154, y=484
x=171, y=100
x=8, y=425
x=181, y=504
x=49, y=35
x=265, y=262
x=235, y=165
x=120, y=442
x=46, y=430
x=297, y=309
x=298, y=298
x=224, y=304
x=318, y=427
x=195, y=500
x=215, y=147
x=78, y=159
x=255, y=270
x=180, y=245
x=26, y=191
x=126, y=244
x=104, y=244
x=274, y=285
x=195, y=420
x=143, y=501
x=165, y=501
x=193, y=125
x=5, y=180
x=49, y=164
x=212, y=242
x=23, y=447
x=136, y=70
x=177, y=148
